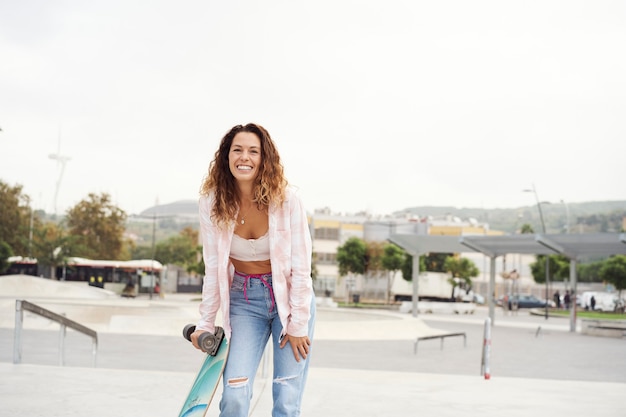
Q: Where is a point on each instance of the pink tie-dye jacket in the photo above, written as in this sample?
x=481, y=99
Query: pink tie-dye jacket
x=290, y=258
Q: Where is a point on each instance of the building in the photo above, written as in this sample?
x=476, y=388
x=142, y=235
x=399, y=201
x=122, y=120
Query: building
x=330, y=231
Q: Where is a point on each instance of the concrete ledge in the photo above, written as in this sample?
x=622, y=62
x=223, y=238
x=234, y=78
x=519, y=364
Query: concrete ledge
x=325, y=302
x=606, y=328
x=433, y=307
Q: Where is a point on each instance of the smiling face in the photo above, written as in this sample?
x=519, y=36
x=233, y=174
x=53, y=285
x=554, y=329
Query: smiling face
x=244, y=157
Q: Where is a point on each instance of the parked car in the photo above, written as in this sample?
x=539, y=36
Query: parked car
x=522, y=301
x=468, y=296
x=478, y=299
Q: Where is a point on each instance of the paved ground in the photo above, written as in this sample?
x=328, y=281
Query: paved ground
x=515, y=352
x=548, y=372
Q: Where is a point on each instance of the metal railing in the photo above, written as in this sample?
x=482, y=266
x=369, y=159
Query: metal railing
x=21, y=305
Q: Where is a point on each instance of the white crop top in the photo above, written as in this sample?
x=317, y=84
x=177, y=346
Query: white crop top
x=250, y=249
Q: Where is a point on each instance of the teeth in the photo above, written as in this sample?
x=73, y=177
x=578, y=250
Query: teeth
x=244, y=167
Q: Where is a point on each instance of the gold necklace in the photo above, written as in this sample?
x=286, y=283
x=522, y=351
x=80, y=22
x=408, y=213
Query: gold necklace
x=243, y=218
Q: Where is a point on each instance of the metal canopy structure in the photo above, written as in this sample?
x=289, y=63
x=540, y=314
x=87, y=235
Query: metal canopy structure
x=573, y=246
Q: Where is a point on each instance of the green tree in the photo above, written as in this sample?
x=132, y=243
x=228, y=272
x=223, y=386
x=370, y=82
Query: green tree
x=589, y=272
x=392, y=261
x=407, y=266
x=352, y=257
x=142, y=252
x=5, y=254
x=527, y=229
x=373, y=257
x=613, y=270
x=52, y=246
x=182, y=249
x=462, y=271
x=435, y=261
x=562, y=266
x=98, y=226
x=559, y=268
x=198, y=267
x=14, y=218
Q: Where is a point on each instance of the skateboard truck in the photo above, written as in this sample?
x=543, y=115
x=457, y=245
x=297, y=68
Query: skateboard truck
x=208, y=342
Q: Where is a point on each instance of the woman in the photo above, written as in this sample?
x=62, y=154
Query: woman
x=257, y=255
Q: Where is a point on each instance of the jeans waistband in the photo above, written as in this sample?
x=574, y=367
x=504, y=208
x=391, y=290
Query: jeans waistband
x=247, y=277
x=265, y=279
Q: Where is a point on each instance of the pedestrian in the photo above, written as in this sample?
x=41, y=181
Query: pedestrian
x=557, y=299
x=506, y=304
x=257, y=254
x=566, y=299
x=593, y=302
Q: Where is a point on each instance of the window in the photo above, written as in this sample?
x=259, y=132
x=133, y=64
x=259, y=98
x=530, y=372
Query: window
x=326, y=258
x=327, y=233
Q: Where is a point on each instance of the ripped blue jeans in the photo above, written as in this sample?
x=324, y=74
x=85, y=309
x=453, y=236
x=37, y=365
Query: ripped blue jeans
x=253, y=318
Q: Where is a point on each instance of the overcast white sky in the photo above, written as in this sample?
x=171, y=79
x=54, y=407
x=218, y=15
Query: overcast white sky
x=374, y=105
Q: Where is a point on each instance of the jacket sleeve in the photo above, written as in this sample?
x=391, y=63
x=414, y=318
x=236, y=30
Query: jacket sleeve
x=210, y=290
x=301, y=285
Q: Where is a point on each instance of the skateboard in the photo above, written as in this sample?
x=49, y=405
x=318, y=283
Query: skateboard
x=206, y=382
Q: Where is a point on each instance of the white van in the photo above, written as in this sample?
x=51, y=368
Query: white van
x=605, y=301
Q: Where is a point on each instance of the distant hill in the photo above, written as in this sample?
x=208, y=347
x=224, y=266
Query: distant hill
x=164, y=220
x=182, y=208
x=586, y=217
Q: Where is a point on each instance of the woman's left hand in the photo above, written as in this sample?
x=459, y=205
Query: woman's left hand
x=299, y=345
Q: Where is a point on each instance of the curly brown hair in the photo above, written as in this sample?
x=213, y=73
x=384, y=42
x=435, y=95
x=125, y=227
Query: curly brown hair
x=270, y=184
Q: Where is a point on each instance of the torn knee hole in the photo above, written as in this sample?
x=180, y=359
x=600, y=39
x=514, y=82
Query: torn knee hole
x=237, y=382
x=284, y=379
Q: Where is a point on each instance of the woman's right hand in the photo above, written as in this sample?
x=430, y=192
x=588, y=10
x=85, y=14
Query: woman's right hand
x=194, y=338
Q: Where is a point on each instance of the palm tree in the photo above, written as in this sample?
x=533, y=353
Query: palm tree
x=461, y=269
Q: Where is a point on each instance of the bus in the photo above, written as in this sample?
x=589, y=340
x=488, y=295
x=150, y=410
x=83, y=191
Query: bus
x=145, y=272
x=19, y=265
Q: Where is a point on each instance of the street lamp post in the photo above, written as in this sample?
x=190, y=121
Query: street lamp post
x=547, y=265
x=154, y=217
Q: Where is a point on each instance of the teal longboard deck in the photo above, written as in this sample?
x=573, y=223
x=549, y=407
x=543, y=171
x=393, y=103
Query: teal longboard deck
x=205, y=385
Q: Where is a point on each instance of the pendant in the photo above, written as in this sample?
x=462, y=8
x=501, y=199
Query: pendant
x=242, y=221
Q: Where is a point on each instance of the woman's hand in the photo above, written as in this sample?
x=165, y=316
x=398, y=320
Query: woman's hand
x=194, y=338
x=299, y=345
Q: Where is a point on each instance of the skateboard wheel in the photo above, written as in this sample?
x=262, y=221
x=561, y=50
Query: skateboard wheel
x=188, y=330
x=207, y=342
